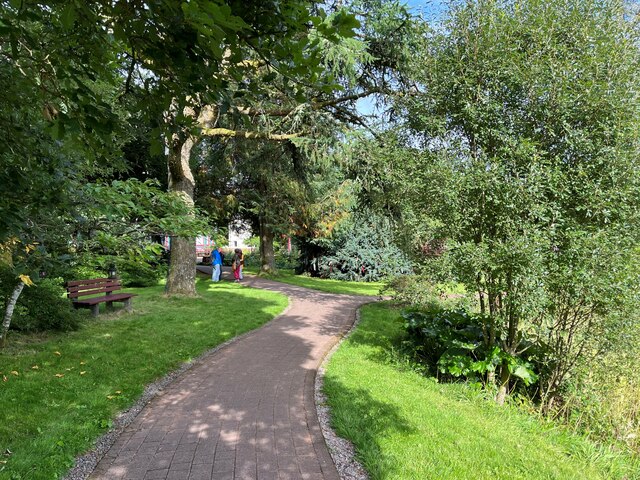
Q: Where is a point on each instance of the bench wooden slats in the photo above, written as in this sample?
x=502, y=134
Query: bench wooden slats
x=75, y=283
x=75, y=293
x=96, y=286
x=109, y=298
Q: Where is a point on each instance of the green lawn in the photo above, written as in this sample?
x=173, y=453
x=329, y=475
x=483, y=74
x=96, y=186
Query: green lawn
x=326, y=285
x=62, y=390
x=406, y=426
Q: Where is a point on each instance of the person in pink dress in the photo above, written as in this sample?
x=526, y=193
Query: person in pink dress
x=236, y=264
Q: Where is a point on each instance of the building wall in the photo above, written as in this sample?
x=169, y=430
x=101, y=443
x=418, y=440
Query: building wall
x=239, y=233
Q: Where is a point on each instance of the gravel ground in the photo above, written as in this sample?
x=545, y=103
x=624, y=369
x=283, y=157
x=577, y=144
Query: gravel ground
x=341, y=450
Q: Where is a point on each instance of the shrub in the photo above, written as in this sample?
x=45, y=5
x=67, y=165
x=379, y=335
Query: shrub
x=453, y=343
x=83, y=272
x=44, y=307
x=419, y=291
x=133, y=272
x=363, y=250
x=139, y=273
x=286, y=261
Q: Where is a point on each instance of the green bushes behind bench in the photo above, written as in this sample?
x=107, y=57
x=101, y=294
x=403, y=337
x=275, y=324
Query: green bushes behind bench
x=41, y=307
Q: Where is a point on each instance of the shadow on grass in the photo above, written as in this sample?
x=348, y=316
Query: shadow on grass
x=356, y=414
x=360, y=418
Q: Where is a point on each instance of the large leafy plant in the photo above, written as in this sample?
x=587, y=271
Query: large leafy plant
x=452, y=342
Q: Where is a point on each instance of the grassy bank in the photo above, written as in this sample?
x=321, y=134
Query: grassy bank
x=406, y=426
x=62, y=390
x=325, y=284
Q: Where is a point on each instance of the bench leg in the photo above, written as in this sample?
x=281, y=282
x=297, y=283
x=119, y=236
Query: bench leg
x=95, y=309
x=109, y=305
x=127, y=305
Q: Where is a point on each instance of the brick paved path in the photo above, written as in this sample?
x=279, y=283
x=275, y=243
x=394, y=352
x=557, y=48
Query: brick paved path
x=247, y=411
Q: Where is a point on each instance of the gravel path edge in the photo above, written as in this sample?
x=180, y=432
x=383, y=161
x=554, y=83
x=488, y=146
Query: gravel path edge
x=342, y=450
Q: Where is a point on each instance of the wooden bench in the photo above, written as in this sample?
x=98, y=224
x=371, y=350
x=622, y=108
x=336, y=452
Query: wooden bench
x=96, y=286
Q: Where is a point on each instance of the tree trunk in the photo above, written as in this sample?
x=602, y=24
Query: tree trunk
x=11, y=304
x=181, y=279
x=267, y=254
x=505, y=375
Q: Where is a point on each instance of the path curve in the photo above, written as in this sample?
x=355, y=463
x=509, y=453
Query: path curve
x=247, y=411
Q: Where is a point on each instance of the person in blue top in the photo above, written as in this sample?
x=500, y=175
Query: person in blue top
x=216, y=263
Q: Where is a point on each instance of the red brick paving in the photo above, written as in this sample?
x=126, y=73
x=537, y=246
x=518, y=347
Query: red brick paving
x=247, y=411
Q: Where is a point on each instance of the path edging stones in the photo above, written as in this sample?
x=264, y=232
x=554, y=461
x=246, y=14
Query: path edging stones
x=342, y=450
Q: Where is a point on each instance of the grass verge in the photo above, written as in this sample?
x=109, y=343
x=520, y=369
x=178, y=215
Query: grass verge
x=406, y=426
x=62, y=390
x=325, y=284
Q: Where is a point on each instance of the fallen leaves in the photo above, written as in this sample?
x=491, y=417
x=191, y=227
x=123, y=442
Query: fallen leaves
x=13, y=372
x=115, y=394
x=59, y=375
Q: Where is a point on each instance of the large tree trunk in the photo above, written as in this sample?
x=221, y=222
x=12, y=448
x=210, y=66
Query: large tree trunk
x=11, y=305
x=267, y=254
x=181, y=279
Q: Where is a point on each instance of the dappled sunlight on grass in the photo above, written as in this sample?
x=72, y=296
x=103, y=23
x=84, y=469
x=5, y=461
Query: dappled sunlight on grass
x=329, y=285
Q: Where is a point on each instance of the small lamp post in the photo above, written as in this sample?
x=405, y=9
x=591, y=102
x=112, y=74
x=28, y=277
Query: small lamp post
x=112, y=272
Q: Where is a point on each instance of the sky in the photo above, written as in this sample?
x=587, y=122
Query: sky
x=431, y=8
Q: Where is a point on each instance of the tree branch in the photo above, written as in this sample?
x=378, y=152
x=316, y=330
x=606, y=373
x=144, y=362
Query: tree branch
x=225, y=132
x=315, y=105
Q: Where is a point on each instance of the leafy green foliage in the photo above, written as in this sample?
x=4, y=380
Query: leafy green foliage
x=117, y=225
x=131, y=270
x=453, y=341
x=519, y=160
x=41, y=307
x=140, y=273
x=419, y=291
x=362, y=249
